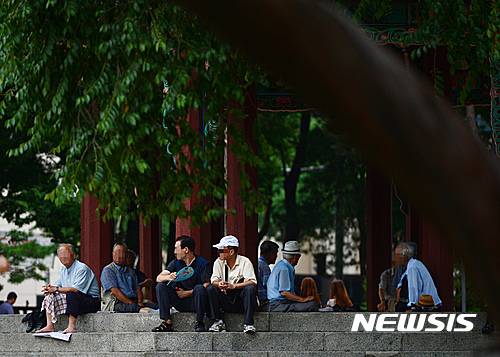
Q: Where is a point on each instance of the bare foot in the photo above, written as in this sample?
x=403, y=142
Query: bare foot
x=46, y=329
x=70, y=330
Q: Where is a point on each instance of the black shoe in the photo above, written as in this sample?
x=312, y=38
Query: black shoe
x=164, y=327
x=27, y=318
x=489, y=327
x=38, y=324
x=36, y=320
x=31, y=325
x=200, y=326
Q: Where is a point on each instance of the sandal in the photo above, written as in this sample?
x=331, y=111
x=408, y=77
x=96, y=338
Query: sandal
x=164, y=327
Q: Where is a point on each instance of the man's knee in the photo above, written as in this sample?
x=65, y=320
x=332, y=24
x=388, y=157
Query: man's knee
x=211, y=289
x=199, y=290
x=162, y=288
x=71, y=296
x=250, y=289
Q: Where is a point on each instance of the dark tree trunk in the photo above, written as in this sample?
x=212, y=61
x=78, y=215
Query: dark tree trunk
x=267, y=220
x=339, y=240
x=171, y=241
x=362, y=244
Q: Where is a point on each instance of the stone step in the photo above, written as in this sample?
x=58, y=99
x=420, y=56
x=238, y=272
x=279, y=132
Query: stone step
x=249, y=354
x=259, y=344
x=274, y=322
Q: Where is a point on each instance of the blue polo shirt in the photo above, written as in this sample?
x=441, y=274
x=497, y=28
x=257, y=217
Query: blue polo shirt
x=80, y=277
x=262, y=277
x=122, y=280
x=282, y=278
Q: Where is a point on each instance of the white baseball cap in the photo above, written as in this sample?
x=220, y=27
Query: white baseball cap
x=227, y=241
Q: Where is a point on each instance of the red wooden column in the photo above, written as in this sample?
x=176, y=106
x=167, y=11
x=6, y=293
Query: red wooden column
x=150, y=251
x=432, y=251
x=379, y=232
x=434, y=254
x=414, y=227
x=97, y=236
x=208, y=233
x=205, y=236
x=240, y=225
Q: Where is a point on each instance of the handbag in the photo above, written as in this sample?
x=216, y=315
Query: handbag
x=36, y=320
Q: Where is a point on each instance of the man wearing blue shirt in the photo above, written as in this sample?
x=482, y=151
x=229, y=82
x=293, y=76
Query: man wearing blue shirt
x=74, y=293
x=120, y=288
x=145, y=283
x=415, y=281
x=6, y=307
x=280, y=285
x=268, y=255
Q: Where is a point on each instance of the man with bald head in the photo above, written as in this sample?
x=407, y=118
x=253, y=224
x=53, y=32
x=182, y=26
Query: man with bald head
x=74, y=293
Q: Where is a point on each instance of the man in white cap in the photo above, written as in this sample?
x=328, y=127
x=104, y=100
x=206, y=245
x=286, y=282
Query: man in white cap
x=281, y=284
x=234, y=286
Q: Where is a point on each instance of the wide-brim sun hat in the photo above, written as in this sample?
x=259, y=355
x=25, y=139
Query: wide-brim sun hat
x=426, y=301
x=292, y=247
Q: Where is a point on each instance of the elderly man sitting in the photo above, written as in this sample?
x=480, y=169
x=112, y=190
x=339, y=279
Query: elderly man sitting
x=416, y=280
x=74, y=293
x=280, y=285
x=120, y=288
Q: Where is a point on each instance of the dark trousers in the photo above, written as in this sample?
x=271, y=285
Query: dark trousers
x=124, y=307
x=79, y=303
x=263, y=305
x=402, y=306
x=167, y=296
x=242, y=300
x=292, y=306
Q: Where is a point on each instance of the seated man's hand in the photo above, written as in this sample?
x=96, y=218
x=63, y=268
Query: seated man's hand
x=181, y=293
x=172, y=276
x=223, y=285
x=308, y=298
x=381, y=307
x=48, y=289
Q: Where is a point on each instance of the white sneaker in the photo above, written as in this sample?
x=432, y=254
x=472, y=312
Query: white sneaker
x=218, y=326
x=249, y=329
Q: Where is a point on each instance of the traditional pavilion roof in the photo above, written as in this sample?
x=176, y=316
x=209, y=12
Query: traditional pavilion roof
x=397, y=23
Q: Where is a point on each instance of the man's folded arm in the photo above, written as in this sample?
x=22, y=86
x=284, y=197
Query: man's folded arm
x=120, y=295
x=67, y=289
x=291, y=296
x=163, y=277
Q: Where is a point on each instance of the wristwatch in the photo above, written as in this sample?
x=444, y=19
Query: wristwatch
x=57, y=289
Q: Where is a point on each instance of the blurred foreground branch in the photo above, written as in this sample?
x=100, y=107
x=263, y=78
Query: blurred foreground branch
x=388, y=113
